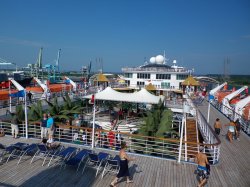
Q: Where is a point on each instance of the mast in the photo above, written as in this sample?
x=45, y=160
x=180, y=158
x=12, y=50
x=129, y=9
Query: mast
x=39, y=63
x=57, y=60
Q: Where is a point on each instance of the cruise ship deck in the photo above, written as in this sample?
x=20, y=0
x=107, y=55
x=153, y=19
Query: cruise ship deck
x=233, y=168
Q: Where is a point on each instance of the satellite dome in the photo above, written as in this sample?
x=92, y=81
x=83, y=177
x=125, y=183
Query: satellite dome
x=159, y=59
x=152, y=60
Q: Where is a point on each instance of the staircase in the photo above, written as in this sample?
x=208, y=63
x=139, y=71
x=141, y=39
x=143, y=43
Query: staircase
x=191, y=137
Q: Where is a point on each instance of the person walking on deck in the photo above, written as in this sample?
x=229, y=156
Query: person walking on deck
x=201, y=160
x=237, y=127
x=29, y=94
x=123, y=171
x=231, y=130
x=43, y=125
x=217, y=126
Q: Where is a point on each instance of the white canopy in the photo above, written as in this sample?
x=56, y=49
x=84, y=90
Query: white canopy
x=143, y=96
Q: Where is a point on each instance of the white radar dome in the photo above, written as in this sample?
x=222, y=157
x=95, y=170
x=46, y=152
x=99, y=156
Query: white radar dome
x=159, y=59
x=152, y=60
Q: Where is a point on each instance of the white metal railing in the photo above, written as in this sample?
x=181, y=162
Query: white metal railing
x=245, y=124
x=211, y=141
x=152, y=146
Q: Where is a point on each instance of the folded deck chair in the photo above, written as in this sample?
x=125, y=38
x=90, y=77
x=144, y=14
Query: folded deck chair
x=15, y=150
x=63, y=155
x=30, y=150
x=96, y=161
x=77, y=159
x=112, y=165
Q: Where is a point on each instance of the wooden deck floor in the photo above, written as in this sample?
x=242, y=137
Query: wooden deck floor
x=232, y=170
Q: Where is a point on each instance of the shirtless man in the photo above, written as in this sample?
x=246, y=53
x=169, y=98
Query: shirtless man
x=217, y=126
x=201, y=160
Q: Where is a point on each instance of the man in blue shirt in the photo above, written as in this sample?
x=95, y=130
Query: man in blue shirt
x=50, y=126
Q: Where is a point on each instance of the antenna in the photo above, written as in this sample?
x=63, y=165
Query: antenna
x=164, y=55
x=39, y=63
x=102, y=64
x=57, y=60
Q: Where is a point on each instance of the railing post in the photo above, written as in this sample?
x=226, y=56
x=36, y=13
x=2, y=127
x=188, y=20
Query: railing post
x=214, y=155
x=185, y=138
x=181, y=139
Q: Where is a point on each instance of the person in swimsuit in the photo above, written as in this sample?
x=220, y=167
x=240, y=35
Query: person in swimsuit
x=201, y=160
x=231, y=130
x=123, y=171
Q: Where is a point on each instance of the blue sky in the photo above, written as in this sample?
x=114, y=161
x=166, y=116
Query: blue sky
x=199, y=34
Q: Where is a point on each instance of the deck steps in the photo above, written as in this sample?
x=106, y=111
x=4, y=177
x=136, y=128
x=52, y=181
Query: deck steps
x=191, y=136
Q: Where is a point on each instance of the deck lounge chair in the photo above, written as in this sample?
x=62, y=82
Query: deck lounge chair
x=30, y=150
x=63, y=155
x=42, y=152
x=77, y=159
x=96, y=161
x=2, y=150
x=112, y=165
x=14, y=150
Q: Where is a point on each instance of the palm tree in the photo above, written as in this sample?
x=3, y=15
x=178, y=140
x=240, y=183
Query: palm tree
x=35, y=112
x=65, y=111
x=55, y=110
x=19, y=114
x=157, y=121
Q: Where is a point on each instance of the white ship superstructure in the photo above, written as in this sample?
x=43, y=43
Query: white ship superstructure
x=158, y=73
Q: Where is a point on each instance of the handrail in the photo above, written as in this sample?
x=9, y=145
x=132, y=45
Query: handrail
x=160, y=147
x=245, y=124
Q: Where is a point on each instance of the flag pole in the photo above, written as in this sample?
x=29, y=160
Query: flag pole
x=25, y=113
x=93, y=128
x=10, y=96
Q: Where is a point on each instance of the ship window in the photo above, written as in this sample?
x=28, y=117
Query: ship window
x=143, y=76
x=140, y=83
x=127, y=82
x=128, y=75
x=181, y=77
x=163, y=76
x=165, y=85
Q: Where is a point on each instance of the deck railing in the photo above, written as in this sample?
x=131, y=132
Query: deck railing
x=151, y=146
x=211, y=142
x=245, y=124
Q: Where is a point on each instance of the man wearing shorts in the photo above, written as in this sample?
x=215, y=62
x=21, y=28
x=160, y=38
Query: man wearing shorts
x=14, y=127
x=217, y=126
x=201, y=160
x=50, y=126
x=43, y=125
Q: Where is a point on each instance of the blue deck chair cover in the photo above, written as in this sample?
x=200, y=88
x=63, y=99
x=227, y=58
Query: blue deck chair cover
x=78, y=158
x=30, y=150
x=112, y=165
x=41, y=152
x=15, y=150
x=63, y=155
x=95, y=161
